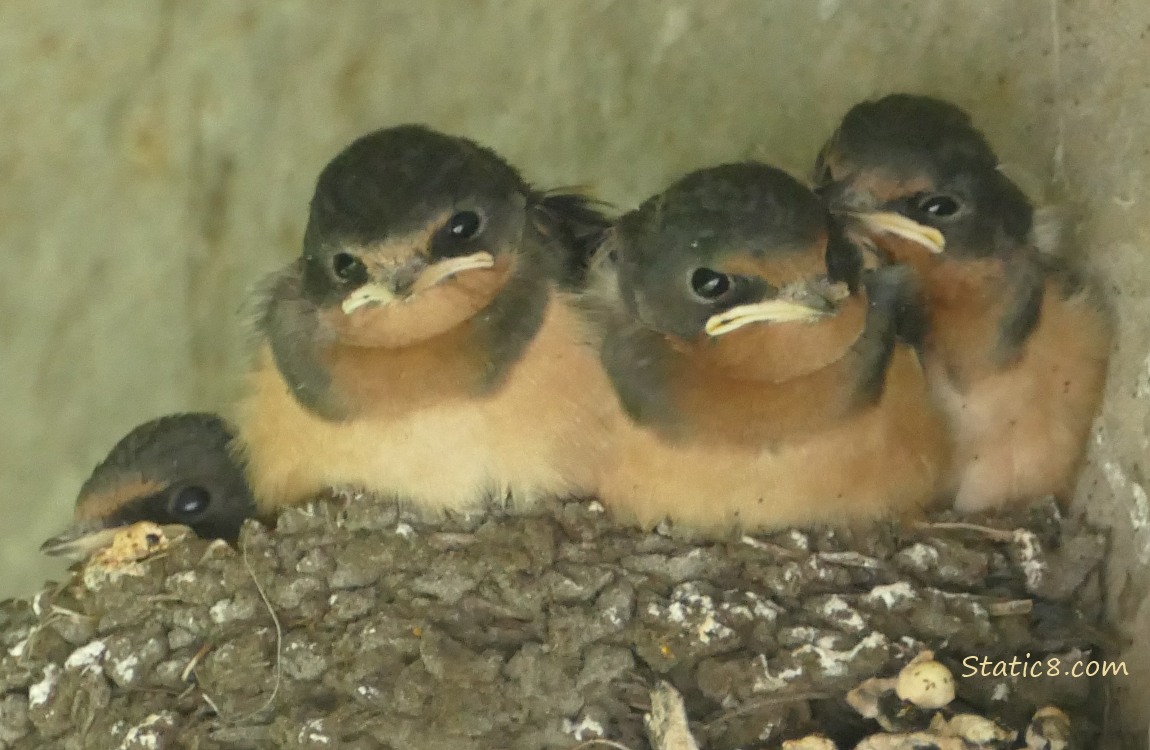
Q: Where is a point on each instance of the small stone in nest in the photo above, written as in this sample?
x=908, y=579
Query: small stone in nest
x=132, y=544
x=910, y=741
x=925, y=682
x=810, y=742
x=129, y=547
x=1048, y=730
x=866, y=699
x=975, y=730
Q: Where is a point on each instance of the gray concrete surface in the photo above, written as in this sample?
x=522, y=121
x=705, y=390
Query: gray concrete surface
x=1100, y=109
x=156, y=159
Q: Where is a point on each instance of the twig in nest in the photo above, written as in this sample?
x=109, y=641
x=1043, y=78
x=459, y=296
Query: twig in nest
x=1014, y=607
x=777, y=550
x=279, y=650
x=208, y=699
x=850, y=560
x=186, y=674
x=603, y=742
x=997, y=535
x=159, y=598
x=69, y=613
x=774, y=700
x=667, y=724
x=29, y=643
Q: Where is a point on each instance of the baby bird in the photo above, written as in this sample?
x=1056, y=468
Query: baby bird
x=761, y=373
x=1018, y=343
x=178, y=469
x=425, y=345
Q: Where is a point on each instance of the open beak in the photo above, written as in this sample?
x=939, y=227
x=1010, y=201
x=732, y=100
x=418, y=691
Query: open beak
x=895, y=223
x=378, y=293
x=769, y=311
x=85, y=538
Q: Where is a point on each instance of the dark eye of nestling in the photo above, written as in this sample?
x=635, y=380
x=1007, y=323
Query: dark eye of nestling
x=708, y=284
x=464, y=225
x=190, y=501
x=938, y=206
x=348, y=268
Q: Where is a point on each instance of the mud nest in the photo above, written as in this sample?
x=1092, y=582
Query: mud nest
x=352, y=625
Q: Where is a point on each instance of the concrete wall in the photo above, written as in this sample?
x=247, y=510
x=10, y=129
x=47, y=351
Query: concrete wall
x=156, y=159
x=1101, y=110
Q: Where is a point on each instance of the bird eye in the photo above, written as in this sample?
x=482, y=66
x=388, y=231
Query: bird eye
x=710, y=285
x=464, y=225
x=938, y=206
x=190, y=501
x=348, y=268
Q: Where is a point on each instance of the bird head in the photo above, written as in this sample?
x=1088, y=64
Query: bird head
x=175, y=470
x=411, y=233
x=728, y=248
x=742, y=267
x=915, y=167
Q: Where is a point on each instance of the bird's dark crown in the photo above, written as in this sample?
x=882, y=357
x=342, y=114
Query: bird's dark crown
x=906, y=132
x=164, y=442
x=759, y=208
x=395, y=180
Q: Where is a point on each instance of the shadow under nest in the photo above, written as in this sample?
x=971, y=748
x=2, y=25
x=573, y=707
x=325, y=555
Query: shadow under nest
x=353, y=625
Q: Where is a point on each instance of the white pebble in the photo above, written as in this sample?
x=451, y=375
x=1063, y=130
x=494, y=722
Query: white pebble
x=927, y=684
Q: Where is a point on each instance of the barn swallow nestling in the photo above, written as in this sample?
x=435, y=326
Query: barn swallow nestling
x=761, y=371
x=1017, y=343
x=425, y=346
x=177, y=469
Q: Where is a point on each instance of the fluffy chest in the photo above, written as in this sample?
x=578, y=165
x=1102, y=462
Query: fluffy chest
x=541, y=431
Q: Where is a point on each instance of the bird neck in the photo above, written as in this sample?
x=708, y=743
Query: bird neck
x=695, y=391
x=471, y=359
x=980, y=314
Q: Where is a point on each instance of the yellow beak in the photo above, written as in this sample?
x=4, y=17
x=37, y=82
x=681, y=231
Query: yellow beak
x=85, y=538
x=368, y=294
x=770, y=311
x=378, y=293
x=895, y=223
x=445, y=269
